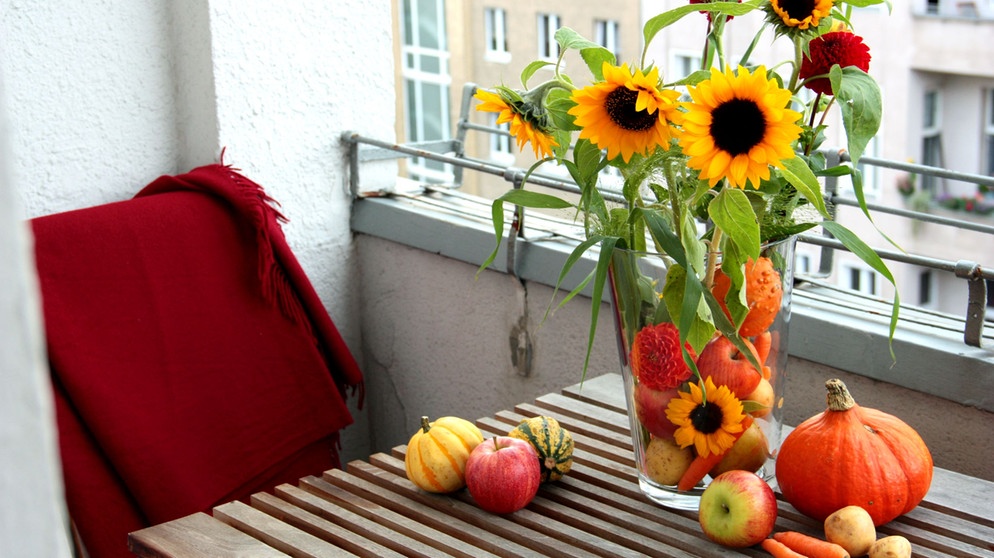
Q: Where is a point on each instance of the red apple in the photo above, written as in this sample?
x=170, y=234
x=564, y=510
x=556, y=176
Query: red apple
x=738, y=509
x=726, y=366
x=650, y=408
x=503, y=474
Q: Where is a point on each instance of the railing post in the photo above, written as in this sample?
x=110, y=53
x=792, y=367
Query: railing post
x=976, y=306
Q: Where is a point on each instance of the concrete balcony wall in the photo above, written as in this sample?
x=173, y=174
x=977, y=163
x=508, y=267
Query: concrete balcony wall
x=437, y=342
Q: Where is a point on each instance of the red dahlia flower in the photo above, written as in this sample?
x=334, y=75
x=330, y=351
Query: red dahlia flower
x=656, y=358
x=837, y=47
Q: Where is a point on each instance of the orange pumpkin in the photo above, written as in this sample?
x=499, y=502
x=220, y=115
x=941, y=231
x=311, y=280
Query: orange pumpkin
x=852, y=455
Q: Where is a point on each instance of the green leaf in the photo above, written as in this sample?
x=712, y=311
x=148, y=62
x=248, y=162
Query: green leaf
x=682, y=295
x=530, y=70
x=558, y=103
x=570, y=39
x=663, y=20
x=536, y=200
x=600, y=276
x=525, y=198
x=732, y=212
x=595, y=59
x=861, y=105
x=865, y=253
x=799, y=174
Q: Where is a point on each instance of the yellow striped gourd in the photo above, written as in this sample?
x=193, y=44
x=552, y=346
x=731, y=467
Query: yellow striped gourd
x=437, y=453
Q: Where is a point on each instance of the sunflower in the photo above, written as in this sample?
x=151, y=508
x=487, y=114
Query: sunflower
x=737, y=125
x=837, y=47
x=626, y=113
x=799, y=14
x=708, y=425
x=526, y=121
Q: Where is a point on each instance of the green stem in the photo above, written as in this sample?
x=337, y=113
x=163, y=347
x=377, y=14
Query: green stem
x=712, y=265
x=798, y=58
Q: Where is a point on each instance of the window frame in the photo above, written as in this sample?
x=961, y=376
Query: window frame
x=416, y=82
x=547, y=24
x=607, y=33
x=495, y=35
x=932, y=137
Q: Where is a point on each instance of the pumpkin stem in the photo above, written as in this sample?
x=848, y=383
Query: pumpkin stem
x=425, y=425
x=838, y=396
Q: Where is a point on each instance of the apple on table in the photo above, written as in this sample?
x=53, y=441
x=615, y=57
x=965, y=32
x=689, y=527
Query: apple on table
x=738, y=509
x=503, y=474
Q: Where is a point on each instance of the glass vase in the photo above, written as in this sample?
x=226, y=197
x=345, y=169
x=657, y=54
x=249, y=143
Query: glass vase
x=637, y=280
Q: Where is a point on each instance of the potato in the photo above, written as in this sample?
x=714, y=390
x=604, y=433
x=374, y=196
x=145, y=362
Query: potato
x=851, y=528
x=894, y=546
x=665, y=461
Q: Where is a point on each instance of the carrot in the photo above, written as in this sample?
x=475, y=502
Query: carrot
x=763, y=343
x=701, y=465
x=807, y=545
x=779, y=550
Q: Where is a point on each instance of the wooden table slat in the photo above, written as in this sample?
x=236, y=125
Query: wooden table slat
x=503, y=525
x=597, y=509
x=270, y=530
x=198, y=535
x=346, y=529
x=452, y=525
x=332, y=497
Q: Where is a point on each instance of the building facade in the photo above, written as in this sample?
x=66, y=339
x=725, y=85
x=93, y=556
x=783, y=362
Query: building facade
x=927, y=57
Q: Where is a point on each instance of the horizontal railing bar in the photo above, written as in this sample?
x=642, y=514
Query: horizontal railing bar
x=923, y=261
x=921, y=169
x=919, y=215
x=963, y=269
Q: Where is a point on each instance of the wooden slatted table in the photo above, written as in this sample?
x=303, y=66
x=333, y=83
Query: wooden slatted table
x=371, y=509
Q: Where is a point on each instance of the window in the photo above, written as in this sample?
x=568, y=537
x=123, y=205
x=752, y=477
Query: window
x=926, y=288
x=548, y=48
x=495, y=29
x=500, y=144
x=871, y=173
x=932, y=138
x=426, y=82
x=682, y=65
x=932, y=7
x=989, y=132
x=606, y=35
x=802, y=263
x=858, y=278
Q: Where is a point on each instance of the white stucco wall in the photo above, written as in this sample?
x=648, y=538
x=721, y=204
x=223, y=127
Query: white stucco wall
x=103, y=97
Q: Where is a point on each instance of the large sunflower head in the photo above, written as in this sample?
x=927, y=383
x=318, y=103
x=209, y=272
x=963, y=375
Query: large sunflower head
x=737, y=125
x=627, y=113
x=528, y=121
x=837, y=47
x=791, y=17
x=706, y=419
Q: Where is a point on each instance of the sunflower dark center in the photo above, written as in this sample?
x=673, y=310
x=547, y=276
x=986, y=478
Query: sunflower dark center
x=620, y=106
x=737, y=126
x=706, y=418
x=798, y=9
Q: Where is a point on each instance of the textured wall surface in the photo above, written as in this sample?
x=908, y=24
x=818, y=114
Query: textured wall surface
x=104, y=97
x=417, y=307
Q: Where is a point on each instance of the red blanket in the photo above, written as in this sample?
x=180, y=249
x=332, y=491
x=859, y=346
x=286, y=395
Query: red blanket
x=192, y=360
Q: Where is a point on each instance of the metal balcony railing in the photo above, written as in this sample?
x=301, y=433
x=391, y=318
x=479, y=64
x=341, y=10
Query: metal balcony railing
x=451, y=152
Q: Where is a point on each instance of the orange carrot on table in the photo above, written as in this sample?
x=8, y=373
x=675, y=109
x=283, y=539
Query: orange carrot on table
x=700, y=466
x=812, y=547
x=779, y=550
